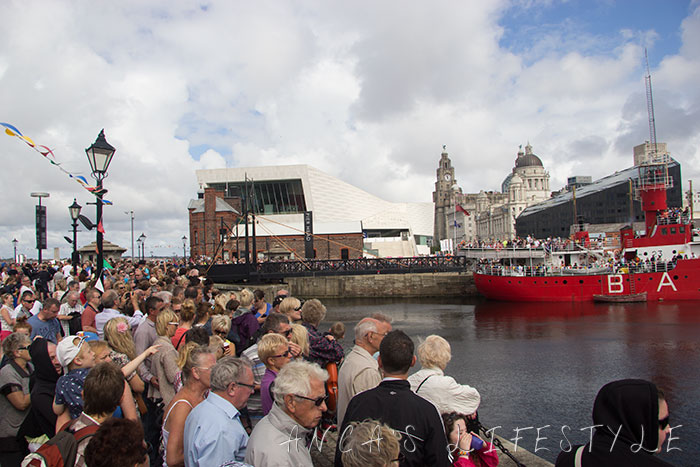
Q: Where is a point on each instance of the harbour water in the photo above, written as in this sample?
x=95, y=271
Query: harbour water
x=540, y=365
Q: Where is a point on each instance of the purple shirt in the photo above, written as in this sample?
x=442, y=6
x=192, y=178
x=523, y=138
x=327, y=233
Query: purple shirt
x=265, y=390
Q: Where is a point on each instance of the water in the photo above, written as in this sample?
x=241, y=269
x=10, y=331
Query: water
x=542, y=364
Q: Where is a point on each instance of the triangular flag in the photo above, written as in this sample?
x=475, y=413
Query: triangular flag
x=106, y=265
x=461, y=209
x=100, y=229
x=99, y=286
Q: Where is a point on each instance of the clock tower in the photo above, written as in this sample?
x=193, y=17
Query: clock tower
x=442, y=196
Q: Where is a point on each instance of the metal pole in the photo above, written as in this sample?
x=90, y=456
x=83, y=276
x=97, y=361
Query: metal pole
x=38, y=245
x=100, y=252
x=255, y=235
x=245, y=214
x=75, y=247
x=132, y=236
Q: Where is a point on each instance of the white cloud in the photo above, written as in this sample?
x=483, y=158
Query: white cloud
x=368, y=91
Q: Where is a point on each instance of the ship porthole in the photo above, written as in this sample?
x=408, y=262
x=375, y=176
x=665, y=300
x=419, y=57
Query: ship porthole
x=564, y=281
x=675, y=278
x=581, y=281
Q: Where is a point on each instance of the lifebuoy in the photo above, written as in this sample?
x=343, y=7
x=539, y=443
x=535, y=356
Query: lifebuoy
x=332, y=386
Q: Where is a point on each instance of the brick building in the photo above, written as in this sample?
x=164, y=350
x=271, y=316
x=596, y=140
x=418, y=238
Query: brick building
x=347, y=222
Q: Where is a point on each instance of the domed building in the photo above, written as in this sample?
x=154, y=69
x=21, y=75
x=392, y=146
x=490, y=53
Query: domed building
x=491, y=214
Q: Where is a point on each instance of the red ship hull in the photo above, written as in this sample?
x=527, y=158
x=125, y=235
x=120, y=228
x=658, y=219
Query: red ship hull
x=680, y=283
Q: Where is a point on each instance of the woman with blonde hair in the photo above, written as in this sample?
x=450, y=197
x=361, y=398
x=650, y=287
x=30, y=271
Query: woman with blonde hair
x=164, y=363
x=220, y=326
x=300, y=336
x=291, y=306
x=117, y=333
x=196, y=362
x=6, y=319
x=431, y=383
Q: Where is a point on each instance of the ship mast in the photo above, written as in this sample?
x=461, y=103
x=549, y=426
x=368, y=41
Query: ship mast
x=653, y=178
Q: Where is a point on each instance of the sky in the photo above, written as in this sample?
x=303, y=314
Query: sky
x=366, y=91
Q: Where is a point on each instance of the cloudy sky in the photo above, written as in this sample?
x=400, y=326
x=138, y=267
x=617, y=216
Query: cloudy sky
x=367, y=91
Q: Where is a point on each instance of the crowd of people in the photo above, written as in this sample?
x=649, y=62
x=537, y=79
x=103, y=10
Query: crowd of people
x=152, y=365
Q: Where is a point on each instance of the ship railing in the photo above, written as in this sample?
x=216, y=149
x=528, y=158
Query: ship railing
x=673, y=219
x=541, y=271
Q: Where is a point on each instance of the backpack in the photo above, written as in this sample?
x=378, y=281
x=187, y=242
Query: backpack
x=61, y=450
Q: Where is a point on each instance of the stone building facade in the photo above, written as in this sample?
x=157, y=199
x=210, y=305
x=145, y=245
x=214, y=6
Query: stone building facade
x=492, y=214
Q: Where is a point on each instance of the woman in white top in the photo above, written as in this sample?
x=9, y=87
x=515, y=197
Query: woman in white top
x=431, y=383
x=6, y=320
x=196, y=362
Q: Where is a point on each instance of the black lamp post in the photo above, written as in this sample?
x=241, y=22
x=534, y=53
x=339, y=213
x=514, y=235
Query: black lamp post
x=99, y=155
x=184, y=248
x=14, y=244
x=74, y=210
x=142, y=239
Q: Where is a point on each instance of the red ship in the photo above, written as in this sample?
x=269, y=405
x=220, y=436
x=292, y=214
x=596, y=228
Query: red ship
x=657, y=265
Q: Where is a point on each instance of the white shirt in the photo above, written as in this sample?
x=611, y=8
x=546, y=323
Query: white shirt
x=105, y=315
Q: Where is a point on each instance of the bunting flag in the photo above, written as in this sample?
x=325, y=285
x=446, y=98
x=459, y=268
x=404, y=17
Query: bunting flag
x=461, y=209
x=106, y=264
x=50, y=156
x=456, y=224
x=100, y=229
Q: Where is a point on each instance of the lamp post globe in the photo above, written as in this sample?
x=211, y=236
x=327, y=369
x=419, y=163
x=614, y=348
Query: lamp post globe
x=99, y=156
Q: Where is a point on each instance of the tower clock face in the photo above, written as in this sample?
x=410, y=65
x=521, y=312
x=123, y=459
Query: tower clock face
x=448, y=177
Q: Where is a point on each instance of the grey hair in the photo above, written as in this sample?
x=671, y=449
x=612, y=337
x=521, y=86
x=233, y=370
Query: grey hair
x=74, y=294
x=13, y=342
x=364, y=327
x=434, y=352
x=164, y=295
x=226, y=371
x=295, y=378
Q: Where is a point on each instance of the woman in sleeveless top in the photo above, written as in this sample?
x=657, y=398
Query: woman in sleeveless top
x=196, y=373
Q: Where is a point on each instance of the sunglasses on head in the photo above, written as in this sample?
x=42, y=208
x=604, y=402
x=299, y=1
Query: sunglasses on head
x=317, y=402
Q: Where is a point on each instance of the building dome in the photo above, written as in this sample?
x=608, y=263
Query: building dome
x=528, y=159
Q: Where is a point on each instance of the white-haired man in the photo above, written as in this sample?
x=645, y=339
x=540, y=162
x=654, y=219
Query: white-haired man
x=300, y=400
x=67, y=311
x=360, y=370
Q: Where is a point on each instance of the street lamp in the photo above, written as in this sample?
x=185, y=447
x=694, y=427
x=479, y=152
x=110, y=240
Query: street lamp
x=139, y=241
x=99, y=156
x=184, y=248
x=142, y=238
x=14, y=244
x=74, y=210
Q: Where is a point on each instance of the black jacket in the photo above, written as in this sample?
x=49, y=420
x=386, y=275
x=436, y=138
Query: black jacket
x=423, y=439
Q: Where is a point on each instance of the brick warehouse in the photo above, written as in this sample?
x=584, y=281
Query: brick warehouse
x=347, y=222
